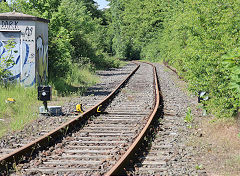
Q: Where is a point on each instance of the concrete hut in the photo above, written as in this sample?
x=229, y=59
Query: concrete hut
x=30, y=51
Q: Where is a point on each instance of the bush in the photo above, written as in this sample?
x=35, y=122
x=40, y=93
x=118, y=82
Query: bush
x=196, y=39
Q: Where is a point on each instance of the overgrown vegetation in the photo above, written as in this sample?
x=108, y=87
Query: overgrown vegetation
x=78, y=82
x=200, y=38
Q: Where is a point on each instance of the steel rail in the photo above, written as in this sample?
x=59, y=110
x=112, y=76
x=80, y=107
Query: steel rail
x=118, y=168
x=48, y=139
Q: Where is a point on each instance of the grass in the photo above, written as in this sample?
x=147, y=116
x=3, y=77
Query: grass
x=199, y=167
x=76, y=83
x=219, y=146
x=83, y=76
x=15, y=115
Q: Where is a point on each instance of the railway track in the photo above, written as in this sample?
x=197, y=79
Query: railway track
x=43, y=125
x=96, y=144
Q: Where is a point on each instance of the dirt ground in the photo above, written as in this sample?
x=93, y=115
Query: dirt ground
x=218, y=145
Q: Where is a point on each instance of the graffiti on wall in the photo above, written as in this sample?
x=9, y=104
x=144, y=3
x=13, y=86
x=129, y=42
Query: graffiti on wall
x=42, y=61
x=23, y=69
x=10, y=25
x=31, y=59
x=28, y=31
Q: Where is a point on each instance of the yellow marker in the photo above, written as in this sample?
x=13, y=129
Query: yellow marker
x=79, y=108
x=11, y=100
x=98, y=109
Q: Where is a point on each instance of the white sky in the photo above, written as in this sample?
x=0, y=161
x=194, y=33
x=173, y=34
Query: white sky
x=102, y=3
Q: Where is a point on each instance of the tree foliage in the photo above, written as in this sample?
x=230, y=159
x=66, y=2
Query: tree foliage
x=195, y=36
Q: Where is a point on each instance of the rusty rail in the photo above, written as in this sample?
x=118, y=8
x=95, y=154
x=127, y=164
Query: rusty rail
x=118, y=168
x=26, y=151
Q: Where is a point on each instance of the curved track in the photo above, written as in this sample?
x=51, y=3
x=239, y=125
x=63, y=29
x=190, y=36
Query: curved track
x=91, y=146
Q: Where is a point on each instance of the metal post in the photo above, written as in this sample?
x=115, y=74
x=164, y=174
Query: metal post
x=45, y=105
